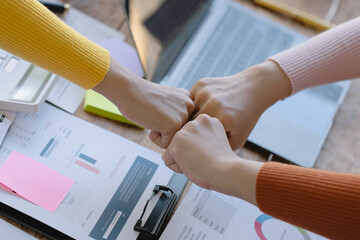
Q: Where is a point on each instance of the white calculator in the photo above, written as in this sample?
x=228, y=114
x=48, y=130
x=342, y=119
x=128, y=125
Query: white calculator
x=23, y=86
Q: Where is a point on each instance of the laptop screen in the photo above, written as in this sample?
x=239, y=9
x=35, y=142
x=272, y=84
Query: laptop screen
x=160, y=29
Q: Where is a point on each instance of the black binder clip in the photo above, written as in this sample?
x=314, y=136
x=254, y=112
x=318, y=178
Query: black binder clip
x=159, y=217
x=2, y=117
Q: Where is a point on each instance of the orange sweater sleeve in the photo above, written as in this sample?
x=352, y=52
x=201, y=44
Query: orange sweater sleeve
x=30, y=31
x=324, y=202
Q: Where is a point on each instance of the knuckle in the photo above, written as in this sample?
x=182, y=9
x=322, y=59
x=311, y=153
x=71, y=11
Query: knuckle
x=168, y=163
x=185, y=93
x=215, y=102
x=189, y=102
x=202, y=82
x=190, y=107
x=205, y=93
x=179, y=136
x=203, y=118
x=176, y=123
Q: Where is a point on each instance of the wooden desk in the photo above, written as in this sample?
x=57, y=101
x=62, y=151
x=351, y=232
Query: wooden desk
x=342, y=148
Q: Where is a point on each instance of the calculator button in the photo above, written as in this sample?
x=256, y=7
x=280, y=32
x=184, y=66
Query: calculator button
x=3, y=54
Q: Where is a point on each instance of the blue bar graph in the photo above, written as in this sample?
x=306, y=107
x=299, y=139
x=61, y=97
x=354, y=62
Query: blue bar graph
x=46, y=148
x=51, y=149
x=87, y=158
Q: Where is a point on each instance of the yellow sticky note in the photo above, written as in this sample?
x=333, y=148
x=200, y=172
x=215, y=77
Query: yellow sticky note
x=100, y=105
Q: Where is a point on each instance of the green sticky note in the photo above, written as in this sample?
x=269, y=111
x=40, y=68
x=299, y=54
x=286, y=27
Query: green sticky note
x=100, y=105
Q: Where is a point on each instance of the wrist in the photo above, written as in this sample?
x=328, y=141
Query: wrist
x=117, y=84
x=238, y=178
x=269, y=82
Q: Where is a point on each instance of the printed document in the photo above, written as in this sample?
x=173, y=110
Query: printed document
x=6, y=117
x=113, y=176
x=208, y=215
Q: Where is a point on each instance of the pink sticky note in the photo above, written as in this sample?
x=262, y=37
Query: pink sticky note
x=34, y=181
x=124, y=54
x=6, y=189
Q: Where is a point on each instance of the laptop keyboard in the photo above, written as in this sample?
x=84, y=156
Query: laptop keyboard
x=236, y=43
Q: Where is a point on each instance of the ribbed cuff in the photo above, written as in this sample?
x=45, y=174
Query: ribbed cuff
x=327, y=203
x=331, y=56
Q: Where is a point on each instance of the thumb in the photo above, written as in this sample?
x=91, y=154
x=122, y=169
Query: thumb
x=160, y=139
x=169, y=162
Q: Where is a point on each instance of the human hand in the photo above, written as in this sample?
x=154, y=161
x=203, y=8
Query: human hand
x=202, y=152
x=162, y=109
x=239, y=100
x=199, y=150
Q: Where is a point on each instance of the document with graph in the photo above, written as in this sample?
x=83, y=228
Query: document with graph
x=208, y=215
x=113, y=176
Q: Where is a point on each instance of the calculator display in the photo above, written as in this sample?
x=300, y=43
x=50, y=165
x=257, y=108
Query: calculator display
x=31, y=85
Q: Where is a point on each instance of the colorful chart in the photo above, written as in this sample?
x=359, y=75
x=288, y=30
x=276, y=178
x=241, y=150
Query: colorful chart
x=87, y=166
x=262, y=218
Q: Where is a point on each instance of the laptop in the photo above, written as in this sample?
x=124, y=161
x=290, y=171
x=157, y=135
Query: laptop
x=179, y=42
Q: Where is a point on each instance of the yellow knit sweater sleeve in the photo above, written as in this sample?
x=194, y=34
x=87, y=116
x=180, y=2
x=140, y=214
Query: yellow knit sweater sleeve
x=30, y=31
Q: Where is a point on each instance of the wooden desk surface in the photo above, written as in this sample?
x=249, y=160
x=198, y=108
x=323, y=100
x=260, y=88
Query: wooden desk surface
x=342, y=147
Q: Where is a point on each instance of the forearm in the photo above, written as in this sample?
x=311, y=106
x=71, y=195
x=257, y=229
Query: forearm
x=118, y=84
x=31, y=32
x=323, y=202
x=261, y=86
x=269, y=83
x=238, y=178
x=331, y=56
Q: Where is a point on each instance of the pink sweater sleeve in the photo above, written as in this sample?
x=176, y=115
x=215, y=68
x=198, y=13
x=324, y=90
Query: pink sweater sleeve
x=331, y=56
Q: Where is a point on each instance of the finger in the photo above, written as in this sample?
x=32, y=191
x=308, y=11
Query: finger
x=161, y=139
x=194, y=90
x=190, y=108
x=169, y=162
x=201, y=100
x=198, y=95
x=155, y=137
x=196, y=114
x=186, y=92
x=237, y=141
x=165, y=139
x=203, y=110
x=199, y=109
x=211, y=110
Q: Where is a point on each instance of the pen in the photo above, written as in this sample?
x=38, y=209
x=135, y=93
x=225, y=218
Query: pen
x=56, y=7
x=308, y=19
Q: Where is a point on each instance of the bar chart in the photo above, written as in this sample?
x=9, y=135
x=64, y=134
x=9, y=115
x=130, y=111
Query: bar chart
x=214, y=212
x=49, y=147
x=87, y=163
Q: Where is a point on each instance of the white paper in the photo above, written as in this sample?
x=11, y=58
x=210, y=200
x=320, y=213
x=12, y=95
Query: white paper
x=98, y=160
x=6, y=117
x=10, y=232
x=65, y=94
x=208, y=215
